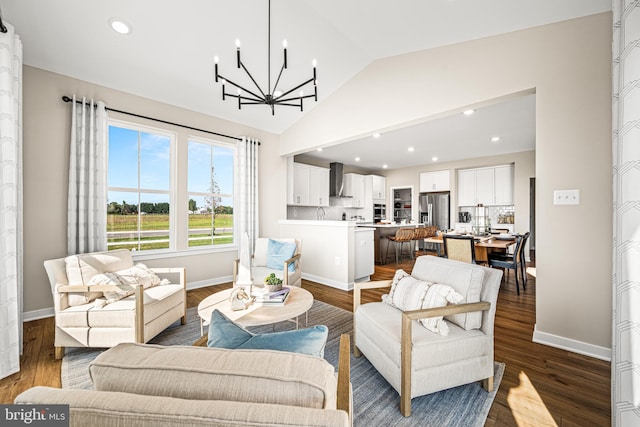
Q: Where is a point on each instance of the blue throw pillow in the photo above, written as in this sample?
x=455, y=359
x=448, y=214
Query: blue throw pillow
x=278, y=252
x=224, y=333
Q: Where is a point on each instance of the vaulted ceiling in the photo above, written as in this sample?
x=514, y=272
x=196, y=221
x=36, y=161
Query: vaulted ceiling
x=168, y=56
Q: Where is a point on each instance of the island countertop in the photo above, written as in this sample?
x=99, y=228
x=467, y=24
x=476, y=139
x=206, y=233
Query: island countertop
x=379, y=225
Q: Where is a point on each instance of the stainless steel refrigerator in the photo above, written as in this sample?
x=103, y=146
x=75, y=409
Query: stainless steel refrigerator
x=434, y=209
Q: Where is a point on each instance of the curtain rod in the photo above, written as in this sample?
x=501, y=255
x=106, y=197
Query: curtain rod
x=67, y=99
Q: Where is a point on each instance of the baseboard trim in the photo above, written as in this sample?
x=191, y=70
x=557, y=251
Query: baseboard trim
x=324, y=281
x=209, y=282
x=575, y=346
x=28, y=316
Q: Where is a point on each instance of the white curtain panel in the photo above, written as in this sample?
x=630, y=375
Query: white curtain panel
x=247, y=215
x=625, y=365
x=87, y=199
x=10, y=202
x=244, y=267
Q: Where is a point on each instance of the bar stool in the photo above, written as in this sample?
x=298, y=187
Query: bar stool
x=424, y=232
x=402, y=236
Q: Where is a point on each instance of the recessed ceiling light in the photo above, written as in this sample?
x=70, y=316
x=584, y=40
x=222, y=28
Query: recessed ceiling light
x=411, y=149
x=319, y=149
x=434, y=159
x=357, y=159
x=468, y=112
x=377, y=135
x=120, y=26
x=384, y=166
x=495, y=139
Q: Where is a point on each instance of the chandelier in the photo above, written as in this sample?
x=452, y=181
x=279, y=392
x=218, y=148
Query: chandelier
x=271, y=96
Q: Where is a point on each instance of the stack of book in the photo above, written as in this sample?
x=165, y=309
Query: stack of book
x=271, y=299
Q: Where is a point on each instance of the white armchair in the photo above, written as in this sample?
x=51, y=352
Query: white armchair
x=417, y=361
x=260, y=270
x=81, y=322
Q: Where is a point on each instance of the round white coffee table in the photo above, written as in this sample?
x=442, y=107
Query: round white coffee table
x=298, y=302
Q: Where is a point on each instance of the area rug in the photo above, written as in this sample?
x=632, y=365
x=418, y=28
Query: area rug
x=375, y=401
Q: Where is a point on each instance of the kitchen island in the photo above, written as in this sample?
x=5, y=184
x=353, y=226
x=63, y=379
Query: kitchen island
x=334, y=253
x=380, y=234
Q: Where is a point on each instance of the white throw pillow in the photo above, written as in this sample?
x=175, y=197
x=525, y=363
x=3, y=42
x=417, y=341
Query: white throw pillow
x=407, y=292
x=439, y=295
x=109, y=296
x=78, y=273
x=139, y=274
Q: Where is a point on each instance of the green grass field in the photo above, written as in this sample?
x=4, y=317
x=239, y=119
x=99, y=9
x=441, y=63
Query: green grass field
x=156, y=222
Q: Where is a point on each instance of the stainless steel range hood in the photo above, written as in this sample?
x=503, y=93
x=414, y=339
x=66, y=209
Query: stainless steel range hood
x=336, y=180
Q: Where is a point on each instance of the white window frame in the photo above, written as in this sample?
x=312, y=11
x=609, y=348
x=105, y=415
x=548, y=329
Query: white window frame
x=172, y=179
x=234, y=148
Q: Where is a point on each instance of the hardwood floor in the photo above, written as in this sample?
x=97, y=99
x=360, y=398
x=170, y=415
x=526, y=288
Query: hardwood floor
x=541, y=386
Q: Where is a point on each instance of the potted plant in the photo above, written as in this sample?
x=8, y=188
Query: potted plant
x=272, y=283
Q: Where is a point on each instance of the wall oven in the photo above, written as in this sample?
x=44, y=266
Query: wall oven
x=379, y=212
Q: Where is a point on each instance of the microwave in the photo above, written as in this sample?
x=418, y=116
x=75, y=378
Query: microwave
x=379, y=212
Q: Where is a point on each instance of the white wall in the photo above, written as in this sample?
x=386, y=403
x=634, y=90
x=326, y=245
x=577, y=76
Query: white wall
x=568, y=66
x=47, y=120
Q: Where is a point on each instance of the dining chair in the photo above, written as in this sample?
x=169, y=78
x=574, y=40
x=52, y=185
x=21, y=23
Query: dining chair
x=510, y=261
x=402, y=236
x=523, y=259
x=460, y=248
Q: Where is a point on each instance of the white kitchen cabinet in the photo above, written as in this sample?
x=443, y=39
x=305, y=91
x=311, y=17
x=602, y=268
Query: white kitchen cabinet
x=504, y=185
x=434, y=181
x=484, y=186
x=488, y=186
x=378, y=187
x=310, y=185
x=301, y=176
x=323, y=187
x=467, y=187
x=354, y=187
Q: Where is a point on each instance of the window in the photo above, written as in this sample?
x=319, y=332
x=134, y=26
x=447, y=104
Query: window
x=210, y=184
x=139, y=189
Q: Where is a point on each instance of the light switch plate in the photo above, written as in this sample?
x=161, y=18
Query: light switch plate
x=566, y=197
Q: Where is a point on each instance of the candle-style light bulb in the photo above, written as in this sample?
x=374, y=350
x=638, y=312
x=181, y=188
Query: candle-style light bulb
x=216, y=59
x=284, y=45
x=238, y=53
x=301, y=93
x=314, y=63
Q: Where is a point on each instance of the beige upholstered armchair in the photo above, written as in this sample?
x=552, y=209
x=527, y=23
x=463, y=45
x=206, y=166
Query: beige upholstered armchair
x=102, y=299
x=417, y=361
x=260, y=267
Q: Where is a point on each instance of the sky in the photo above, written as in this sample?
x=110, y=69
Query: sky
x=154, y=170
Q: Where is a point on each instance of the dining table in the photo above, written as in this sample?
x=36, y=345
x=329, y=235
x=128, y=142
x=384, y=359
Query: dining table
x=484, y=245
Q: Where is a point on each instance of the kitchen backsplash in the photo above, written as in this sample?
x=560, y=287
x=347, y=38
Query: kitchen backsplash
x=497, y=214
x=331, y=213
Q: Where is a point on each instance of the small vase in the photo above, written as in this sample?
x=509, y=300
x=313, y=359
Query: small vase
x=273, y=288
